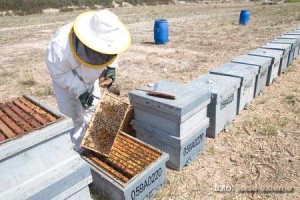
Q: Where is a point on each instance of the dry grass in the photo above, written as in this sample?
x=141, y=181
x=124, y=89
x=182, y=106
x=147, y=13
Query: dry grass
x=262, y=146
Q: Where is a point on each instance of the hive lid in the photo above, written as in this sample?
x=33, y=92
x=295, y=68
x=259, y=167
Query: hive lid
x=286, y=35
x=187, y=99
x=294, y=33
x=242, y=71
x=253, y=60
x=286, y=41
x=220, y=86
x=276, y=55
x=277, y=46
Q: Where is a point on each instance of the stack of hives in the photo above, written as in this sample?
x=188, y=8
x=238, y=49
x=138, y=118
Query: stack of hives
x=37, y=160
x=173, y=125
x=122, y=166
x=178, y=127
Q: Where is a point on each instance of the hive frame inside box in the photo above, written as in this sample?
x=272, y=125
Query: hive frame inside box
x=153, y=174
x=41, y=150
x=285, y=48
x=276, y=56
x=182, y=151
x=246, y=92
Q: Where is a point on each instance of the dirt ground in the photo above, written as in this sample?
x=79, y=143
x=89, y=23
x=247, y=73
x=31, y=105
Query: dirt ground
x=261, y=148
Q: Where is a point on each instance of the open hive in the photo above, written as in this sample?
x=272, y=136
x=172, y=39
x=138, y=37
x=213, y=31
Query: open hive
x=127, y=159
x=21, y=116
x=108, y=120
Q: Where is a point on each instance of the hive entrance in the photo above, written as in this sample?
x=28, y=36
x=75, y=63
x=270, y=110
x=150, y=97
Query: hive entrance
x=105, y=125
x=21, y=116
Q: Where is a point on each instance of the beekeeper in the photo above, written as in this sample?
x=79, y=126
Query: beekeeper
x=77, y=55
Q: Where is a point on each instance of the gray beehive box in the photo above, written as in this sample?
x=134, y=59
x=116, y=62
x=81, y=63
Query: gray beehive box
x=143, y=185
x=276, y=56
x=42, y=164
x=293, y=42
x=297, y=34
x=287, y=36
x=224, y=104
x=174, y=117
x=248, y=75
x=285, y=48
x=183, y=150
x=262, y=64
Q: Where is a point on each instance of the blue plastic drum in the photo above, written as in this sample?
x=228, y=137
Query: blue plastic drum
x=161, y=31
x=244, y=17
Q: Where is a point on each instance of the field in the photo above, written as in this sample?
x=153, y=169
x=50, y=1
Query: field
x=262, y=146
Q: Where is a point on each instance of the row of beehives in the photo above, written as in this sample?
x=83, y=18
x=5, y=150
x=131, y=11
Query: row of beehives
x=42, y=165
x=207, y=105
x=179, y=127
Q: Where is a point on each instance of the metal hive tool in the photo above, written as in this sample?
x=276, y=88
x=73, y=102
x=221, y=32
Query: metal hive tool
x=21, y=116
x=127, y=159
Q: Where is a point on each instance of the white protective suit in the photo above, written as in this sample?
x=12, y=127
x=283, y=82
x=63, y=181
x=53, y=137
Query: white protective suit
x=70, y=80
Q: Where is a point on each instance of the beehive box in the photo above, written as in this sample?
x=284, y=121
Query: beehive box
x=36, y=142
x=276, y=56
x=134, y=170
x=173, y=117
x=262, y=64
x=287, y=36
x=292, y=42
x=224, y=104
x=297, y=34
x=108, y=120
x=285, y=48
x=67, y=180
x=182, y=150
x=248, y=75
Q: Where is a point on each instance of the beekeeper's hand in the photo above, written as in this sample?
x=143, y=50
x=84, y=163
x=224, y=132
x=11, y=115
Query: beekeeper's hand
x=86, y=99
x=107, y=77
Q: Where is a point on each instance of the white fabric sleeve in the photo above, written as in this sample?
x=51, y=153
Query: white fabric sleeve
x=61, y=71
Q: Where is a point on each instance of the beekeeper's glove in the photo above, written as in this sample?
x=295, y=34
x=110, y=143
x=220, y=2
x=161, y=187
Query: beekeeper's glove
x=86, y=99
x=110, y=73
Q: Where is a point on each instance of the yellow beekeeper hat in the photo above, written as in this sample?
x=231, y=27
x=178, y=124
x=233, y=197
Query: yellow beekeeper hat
x=102, y=31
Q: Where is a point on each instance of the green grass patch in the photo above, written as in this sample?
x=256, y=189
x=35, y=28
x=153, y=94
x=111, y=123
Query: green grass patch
x=25, y=7
x=29, y=81
x=267, y=130
x=44, y=90
x=211, y=150
x=291, y=100
x=291, y=1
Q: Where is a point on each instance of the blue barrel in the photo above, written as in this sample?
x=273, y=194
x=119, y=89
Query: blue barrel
x=161, y=31
x=244, y=17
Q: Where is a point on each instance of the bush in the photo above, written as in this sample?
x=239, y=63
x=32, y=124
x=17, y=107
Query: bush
x=22, y=7
x=36, y=6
